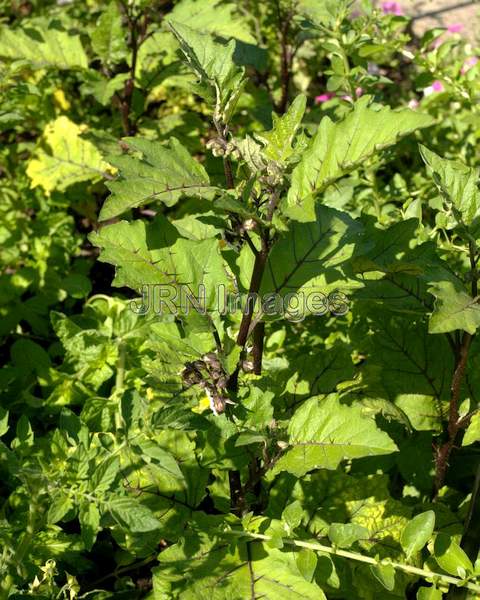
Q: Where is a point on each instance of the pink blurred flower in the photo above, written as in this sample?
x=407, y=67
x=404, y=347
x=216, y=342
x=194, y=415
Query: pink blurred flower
x=455, y=28
x=437, y=86
x=413, y=104
x=392, y=8
x=324, y=97
x=469, y=63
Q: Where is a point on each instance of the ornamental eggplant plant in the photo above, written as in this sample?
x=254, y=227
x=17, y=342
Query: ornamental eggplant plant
x=276, y=396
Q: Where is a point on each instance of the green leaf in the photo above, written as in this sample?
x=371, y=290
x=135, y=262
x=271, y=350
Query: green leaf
x=205, y=565
x=293, y=514
x=220, y=79
x=59, y=507
x=429, y=593
x=454, y=309
x=418, y=532
x=163, y=461
x=89, y=517
x=104, y=475
x=394, y=262
x=385, y=574
x=215, y=16
x=450, y=557
x=323, y=432
x=24, y=434
x=309, y=256
x=279, y=141
x=145, y=255
x=3, y=421
x=338, y=148
x=307, y=563
x=108, y=38
x=30, y=356
x=457, y=183
x=400, y=345
x=76, y=285
x=43, y=45
x=323, y=12
x=344, y=535
x=246, y=438
x=161, y=173
x=472, y=434
x=71, y=159
x=132, y=515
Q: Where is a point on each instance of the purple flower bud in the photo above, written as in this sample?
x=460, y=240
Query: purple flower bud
x=324, y=97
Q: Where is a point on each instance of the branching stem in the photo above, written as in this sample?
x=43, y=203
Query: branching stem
x=455, y=422
x=410, y=569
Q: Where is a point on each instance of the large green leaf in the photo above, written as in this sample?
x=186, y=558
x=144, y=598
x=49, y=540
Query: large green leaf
x=279, y=140
x=108, y=37
x=309, y=255
x=204, y=566
x=417, y=533
x=451, y=557
x=457, y=183
x=133, y=516
x=454, y=309
x=323, y=432
x=396, y=273
x=149, y=254
x=323, y=12
x=71, y=158
x=220, y=80
x=43, y=45
x=404, y=364
x=340, y=147
x=161, y=173
x=215, y=16
x=329, y=497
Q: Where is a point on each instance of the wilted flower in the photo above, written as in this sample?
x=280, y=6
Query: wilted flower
x=324, y=97
x=437, y=86
x=392, y=8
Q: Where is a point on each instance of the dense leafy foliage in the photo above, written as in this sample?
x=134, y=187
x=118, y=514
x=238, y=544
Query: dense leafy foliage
x=239, y=302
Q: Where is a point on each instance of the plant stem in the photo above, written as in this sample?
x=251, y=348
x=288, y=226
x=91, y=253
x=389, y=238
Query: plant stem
x=255, y=282
x=27, y=538
x=257, y=352
x=470, y=538
x=120, y=376
x=261, y=258
x=119, y=383
x=284, y=22
x=136, y=37
x=455, y=423
x=222, y=131
x=362, y=558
